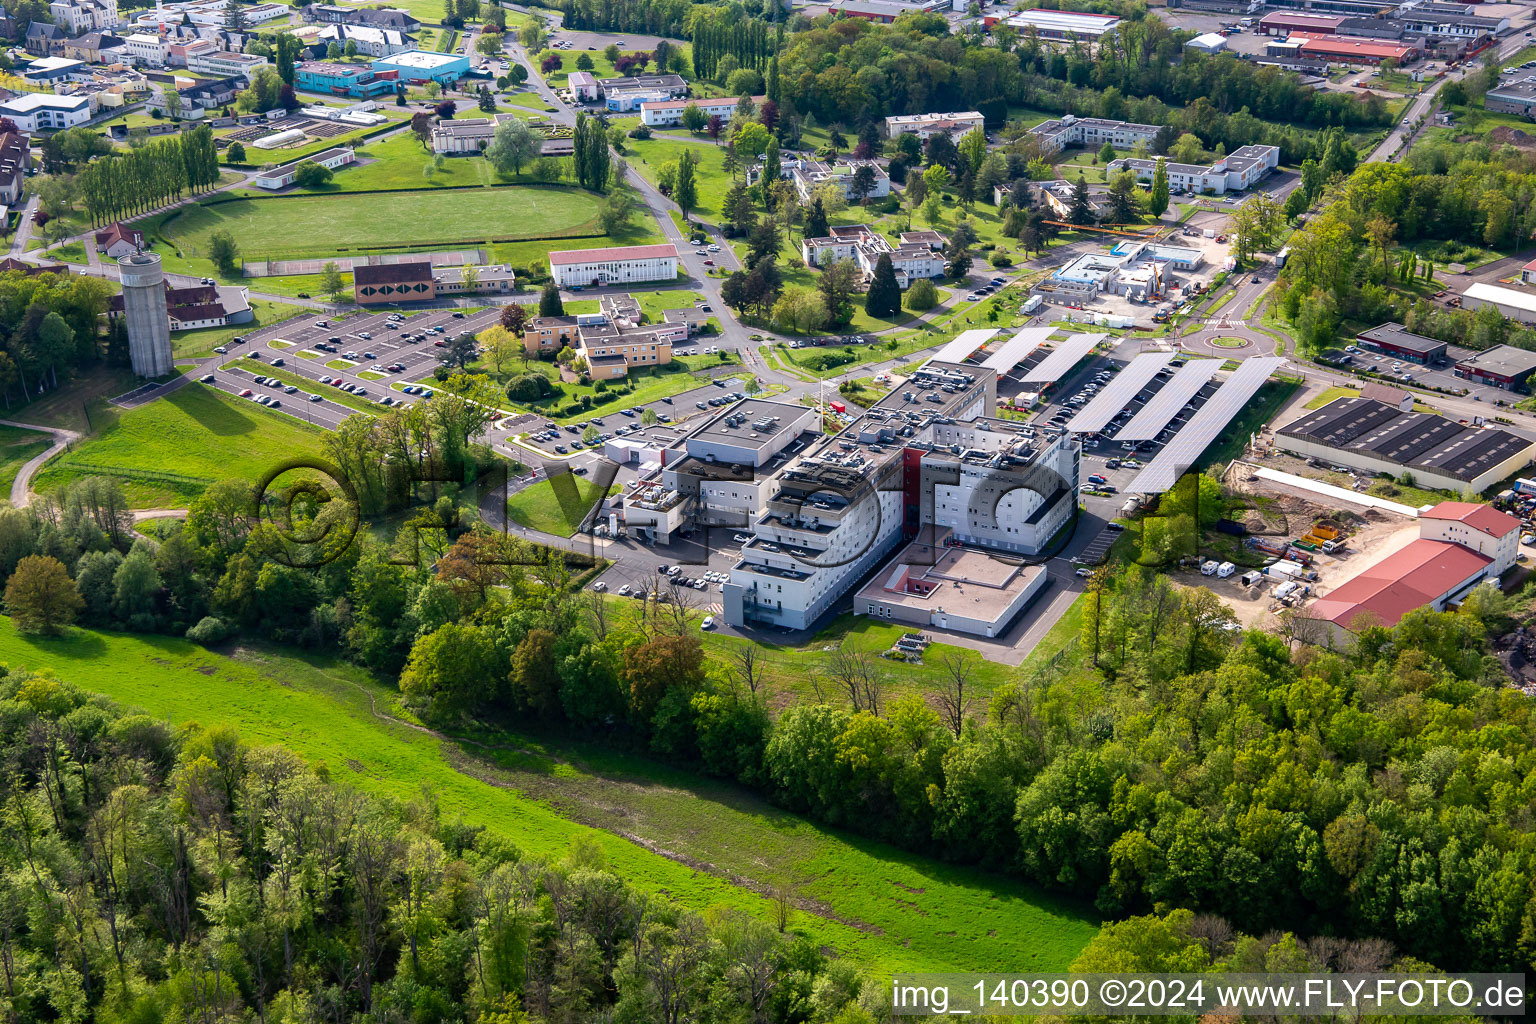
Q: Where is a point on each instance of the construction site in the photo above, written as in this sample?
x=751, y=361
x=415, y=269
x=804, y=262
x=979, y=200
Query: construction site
x=1120, y=272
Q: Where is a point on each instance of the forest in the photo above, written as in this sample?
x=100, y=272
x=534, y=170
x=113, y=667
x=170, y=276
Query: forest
x=1384, y=792
x=1352, y=259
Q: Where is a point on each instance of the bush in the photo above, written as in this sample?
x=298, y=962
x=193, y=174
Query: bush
x=1001, y=259
x=529, y=387
x=827, y=360
x=640, y=132
x=209, y=632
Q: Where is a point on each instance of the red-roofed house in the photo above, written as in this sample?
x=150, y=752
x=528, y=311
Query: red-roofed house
x=623, y=264
x=118, y=240
x=1528, y=273
x=1461, y=543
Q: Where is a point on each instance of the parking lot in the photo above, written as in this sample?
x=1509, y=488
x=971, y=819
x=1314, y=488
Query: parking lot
x=403, y=352
x=554, y=440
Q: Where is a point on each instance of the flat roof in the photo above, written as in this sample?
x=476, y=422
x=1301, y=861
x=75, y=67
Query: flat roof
x=743, y=423
x=1123, y=387
x=1017, y=348
x=1067, y=355
x=565, y=257
x=1065, y=19
x=1504, y=360
x=962, y=581
x=1346, y=46
x=38, y=100
x=1416, y=576
x=1399, y=336
x=1180, y=454
x=1186, y=381
x=421, y=59
x=965, y=345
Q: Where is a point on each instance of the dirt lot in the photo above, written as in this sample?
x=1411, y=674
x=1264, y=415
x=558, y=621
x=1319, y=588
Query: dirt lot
x=1373, y=535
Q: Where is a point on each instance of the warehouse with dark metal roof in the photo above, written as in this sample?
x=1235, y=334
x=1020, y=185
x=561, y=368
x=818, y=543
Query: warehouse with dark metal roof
x=1375, y=437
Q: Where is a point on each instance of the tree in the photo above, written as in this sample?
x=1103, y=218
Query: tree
x=1187, y=150
x=584, y=63
x=770, y=172
x=513, y=145
x=694, y=118
x=884, y=296
x=549, y=301
x=922, y=295
x=486, y=102
x=616, y=213
x=816, y=220
x=1122, y=199
x=863, y=183
x=330, y=281
x=959, y=259
x=40, y=596
x=1157, y=201
x=532, y=35
x=801, y=310
x=1081, y=211
x=223, y=250
x=685, y=192
x=838, y=283
x=489, y=45
x=421, y=127
x=351, y=48
x=311, y=175
x=514, y=316
x=1106, y=153
x=235, y=153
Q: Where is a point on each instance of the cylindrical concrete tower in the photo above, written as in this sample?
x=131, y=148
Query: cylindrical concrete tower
x=149, y=321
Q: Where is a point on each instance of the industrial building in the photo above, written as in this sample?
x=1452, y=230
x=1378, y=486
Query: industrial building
x=1514, y=304
x=1513, y=96
x=627, y=264
x=1061, y=26
x=1305, y=23
x=1353, y=50
x=1502, y=366
x=1460, y=544
x=1397, y=341
x=417, y=67
x=1375, y=437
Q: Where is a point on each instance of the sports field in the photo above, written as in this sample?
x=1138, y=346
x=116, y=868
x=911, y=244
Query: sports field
x=882, y=908
x=171, y=450
x=334, y=224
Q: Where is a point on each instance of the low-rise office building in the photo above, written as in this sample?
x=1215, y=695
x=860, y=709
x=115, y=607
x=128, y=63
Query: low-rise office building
x=610, y=341
x=386, y=284
x=1397, y=341
x=42, y=112
x=226, y=64
x=466, y=136
x=811, y=175
x=281, y=177
x=627, y=264
x=627, y=93
x=1502, y=366
x=910, y=259
x=355, y=80
x=1354, y=50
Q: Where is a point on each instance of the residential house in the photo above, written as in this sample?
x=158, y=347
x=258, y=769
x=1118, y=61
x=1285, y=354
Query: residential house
x=118, y=240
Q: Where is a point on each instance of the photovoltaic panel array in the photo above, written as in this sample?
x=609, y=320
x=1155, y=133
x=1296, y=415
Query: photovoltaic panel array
x=1016, y=349
x=1117, y=394
x=1067, y=355
x=1180, y=454
x=965, y=345
x=1172, y=397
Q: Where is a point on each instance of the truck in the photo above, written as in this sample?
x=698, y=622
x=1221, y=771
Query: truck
x=1225, y=569
x=1032, y=305
x=1333, y=547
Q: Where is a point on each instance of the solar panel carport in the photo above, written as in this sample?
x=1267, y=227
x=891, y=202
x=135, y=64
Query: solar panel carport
x=1117, y=394
x=1181, y=453
x=1172, y=397
x=1016, y=349
x=1067, y=355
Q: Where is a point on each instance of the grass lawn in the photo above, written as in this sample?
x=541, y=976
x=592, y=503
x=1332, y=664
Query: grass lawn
x=69, y=252
x=1331, y=394
x=399, y=162
x=332, y=225
x=893, y=911
x=305, y=385
x=17, y=446
x=648, y=156
x=169, y=451
x=555, y=507
x=202, y=341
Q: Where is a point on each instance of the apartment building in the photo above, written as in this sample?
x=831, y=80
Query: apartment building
x=225, y=64
x=1240, y=169
x=915, y=256
x=611, y=341
x=811, y=175
x=371, y=41
x=1091, y=133
x=668, y=113
x=925, y=126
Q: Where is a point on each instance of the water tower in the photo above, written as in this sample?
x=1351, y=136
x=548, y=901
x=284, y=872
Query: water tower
x=148, y=319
